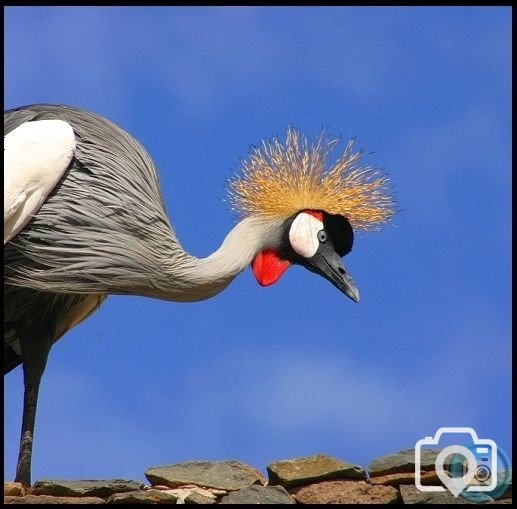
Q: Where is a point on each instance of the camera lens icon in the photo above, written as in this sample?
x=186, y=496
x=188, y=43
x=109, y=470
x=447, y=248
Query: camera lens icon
x=482, y=474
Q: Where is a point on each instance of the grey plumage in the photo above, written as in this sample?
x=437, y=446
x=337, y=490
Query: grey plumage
x=67, y=246
x=70, y=247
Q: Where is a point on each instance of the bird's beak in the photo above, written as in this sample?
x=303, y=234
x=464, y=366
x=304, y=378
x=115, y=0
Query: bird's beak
x=327, y=263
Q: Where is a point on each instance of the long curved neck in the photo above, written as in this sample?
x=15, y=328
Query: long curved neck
x=192, y=279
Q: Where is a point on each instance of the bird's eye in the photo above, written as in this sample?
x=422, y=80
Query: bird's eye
x=322, y=236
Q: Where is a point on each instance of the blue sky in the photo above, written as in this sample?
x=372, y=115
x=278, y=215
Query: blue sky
x=261, y=374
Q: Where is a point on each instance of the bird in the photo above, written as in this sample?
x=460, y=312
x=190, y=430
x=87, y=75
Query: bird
x=84, y=218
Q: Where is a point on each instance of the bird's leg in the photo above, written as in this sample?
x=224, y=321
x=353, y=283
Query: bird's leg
x=35, y=351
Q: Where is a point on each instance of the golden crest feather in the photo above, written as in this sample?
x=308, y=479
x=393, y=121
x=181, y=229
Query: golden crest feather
x=279, y=180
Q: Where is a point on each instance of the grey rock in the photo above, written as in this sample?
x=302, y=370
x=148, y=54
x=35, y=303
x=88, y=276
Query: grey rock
x=47, y=499
x=402, y=462
x=142, y=497
x=346, y=492
x=259, y=495
x=84, y=488
x=299, y=471
x=412, y=495
x=227, y=475
x=196, y=497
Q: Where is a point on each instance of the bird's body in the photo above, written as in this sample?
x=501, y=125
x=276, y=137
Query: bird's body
x=98, y=226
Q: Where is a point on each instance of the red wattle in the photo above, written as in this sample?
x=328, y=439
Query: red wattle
x=268, y=267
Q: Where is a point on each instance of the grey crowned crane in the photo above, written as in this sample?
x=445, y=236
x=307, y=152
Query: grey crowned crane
x=84, y=218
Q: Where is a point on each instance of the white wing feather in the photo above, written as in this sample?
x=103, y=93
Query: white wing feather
x=36, y=154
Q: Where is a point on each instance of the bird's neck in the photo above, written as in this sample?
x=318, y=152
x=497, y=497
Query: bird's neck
x=193, y=279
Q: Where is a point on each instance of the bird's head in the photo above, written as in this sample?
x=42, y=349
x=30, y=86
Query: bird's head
x=317, y=241
x=317, y=207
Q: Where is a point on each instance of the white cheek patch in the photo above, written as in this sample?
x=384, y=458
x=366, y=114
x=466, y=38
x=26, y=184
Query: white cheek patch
x=303, y=234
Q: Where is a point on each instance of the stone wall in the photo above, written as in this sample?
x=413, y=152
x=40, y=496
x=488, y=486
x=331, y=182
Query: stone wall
x=318, y=479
